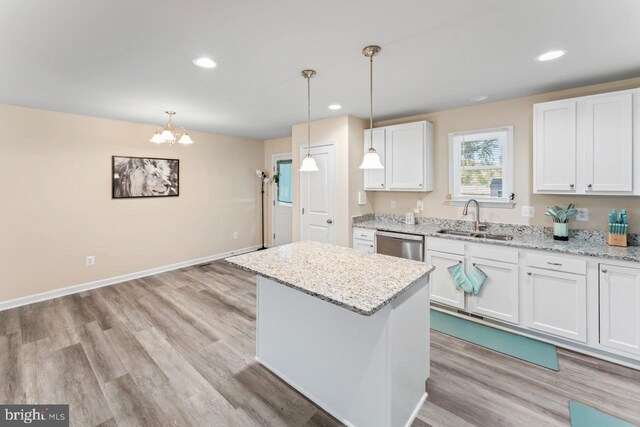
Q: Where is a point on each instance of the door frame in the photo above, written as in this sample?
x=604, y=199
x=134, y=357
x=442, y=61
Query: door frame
x=274, y=190
x=303, y=153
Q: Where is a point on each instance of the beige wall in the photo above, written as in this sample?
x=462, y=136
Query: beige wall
x=271, y=147
x=57, y=206
x=518, y=113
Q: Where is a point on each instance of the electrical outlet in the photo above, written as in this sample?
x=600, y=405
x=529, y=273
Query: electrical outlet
x=393, y=204
x=420, y=205
x=583, y=214
x=235, y=235
x=528, y=211
x=91, y=260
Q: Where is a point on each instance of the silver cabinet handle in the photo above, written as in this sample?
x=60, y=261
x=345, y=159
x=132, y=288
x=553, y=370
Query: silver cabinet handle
x=589, y=186
x=381, y=185
x=419, y=185
x=528, y=273
x=604, y=270
x=555, y=263
x=329, y=221
x=571, y=186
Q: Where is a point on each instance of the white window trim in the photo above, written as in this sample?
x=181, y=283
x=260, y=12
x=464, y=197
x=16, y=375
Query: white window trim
x=507, y=158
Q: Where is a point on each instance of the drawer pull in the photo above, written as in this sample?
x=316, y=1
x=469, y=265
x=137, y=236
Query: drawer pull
x=555, y=263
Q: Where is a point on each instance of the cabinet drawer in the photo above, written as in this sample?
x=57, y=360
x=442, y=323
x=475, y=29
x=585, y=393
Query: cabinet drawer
x=496, y=254
x=363, y=246
x=445, y=245
x=557, y=263
x=364, y=234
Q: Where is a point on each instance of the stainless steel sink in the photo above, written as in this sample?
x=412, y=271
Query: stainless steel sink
x=476, y=234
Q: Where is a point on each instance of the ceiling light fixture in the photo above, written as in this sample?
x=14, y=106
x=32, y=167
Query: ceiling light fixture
x=170, y=135
x=479, y=98
x=551, y=55
x=371, y=160
x=205, y=62
x=335, y=107
x=309, y=163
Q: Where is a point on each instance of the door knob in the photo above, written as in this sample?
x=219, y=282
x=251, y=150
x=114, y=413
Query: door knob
x=329, y=221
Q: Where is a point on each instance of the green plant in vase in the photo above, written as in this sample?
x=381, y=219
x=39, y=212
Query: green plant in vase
x=561, y=220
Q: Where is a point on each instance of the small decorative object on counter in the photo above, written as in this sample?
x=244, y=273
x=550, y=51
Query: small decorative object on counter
x=409, y=218
x=561, y=220
x=618, y=228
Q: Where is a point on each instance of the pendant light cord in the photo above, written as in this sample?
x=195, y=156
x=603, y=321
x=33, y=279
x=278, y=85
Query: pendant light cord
x=308, y=116
x=371, y=101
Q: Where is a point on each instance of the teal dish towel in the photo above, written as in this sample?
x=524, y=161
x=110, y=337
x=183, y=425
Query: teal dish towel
x=477, y=279
x=459, y=277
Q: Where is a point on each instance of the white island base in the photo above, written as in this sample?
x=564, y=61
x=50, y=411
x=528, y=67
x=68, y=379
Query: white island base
x=366, y=371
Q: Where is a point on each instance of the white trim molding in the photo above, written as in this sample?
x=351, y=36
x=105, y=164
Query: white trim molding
x=69, y=290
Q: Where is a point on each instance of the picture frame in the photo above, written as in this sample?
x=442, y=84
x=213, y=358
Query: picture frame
x=144, y=177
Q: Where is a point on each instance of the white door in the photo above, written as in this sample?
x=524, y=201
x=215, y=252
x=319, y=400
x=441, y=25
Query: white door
x=442, y=288
x=406, y=149
x=555, y=147
x=374, y=179
x=498, y=298
x=556, y=303
x=317, y=196
x=620, y=308
x=608, y=143
x=282, y=199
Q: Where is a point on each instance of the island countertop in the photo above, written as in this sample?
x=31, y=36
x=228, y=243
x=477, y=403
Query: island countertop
x=357, y=281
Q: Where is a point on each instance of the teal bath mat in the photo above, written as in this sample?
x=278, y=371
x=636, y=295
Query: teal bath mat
x=527, y=349
x=585, y=416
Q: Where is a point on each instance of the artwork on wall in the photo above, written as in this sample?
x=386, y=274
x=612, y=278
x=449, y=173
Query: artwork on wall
x=136, y=177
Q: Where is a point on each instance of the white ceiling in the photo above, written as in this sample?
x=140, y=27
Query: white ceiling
x=131, y=59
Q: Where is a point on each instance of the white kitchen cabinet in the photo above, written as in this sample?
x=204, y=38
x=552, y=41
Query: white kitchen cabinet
x=374, y=179
x=498, y=298
x=608, y=143
x=406, y=151
x=363, y=246
x=555, y=144
x=620, y=308
x=364, y=240
x=556, y=303
x=441, y=286
x=585, y=145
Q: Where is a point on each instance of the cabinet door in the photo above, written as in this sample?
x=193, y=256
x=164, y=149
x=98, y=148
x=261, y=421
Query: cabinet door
x=556, y=303
x=498, y=298
x=406, y=151
x=620, y=308
x=363, y=246
x=440, y=282
x=554, y=143
x=375, y=179
x=608, y=143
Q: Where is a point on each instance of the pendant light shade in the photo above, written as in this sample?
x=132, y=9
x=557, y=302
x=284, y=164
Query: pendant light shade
x=185, y=139
x=309, y=163
x=157, y=138
x=170, y=135
x=371, y=160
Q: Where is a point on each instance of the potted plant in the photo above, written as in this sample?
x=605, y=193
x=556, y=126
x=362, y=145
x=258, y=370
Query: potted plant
x=561, y=220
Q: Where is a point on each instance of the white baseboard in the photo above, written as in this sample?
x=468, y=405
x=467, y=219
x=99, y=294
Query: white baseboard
x=56, y=293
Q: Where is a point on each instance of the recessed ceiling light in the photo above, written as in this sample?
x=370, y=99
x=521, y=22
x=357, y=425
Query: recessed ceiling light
x=205, y=62
x=335, y=107
x=551, y=55
x=479, y=98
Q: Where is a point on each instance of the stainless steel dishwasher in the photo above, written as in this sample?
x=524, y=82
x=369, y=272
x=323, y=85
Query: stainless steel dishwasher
x=402, y=245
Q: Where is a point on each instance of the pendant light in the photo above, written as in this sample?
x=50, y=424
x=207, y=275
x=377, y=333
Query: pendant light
x=371, y=160
x=309, y=163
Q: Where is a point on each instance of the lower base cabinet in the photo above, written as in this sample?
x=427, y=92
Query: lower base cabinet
x=441, y=287
x=498, y=298
x=556, y=303
x=620, y=308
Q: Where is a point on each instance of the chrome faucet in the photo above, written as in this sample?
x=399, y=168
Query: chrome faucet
x=466, y=212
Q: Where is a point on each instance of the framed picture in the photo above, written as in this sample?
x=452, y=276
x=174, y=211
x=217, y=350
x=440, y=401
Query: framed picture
x=138, y=177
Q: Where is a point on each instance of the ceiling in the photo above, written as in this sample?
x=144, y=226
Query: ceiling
x=131, y=60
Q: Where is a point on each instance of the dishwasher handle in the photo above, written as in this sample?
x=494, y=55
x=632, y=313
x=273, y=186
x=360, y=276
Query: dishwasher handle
x=400, y=236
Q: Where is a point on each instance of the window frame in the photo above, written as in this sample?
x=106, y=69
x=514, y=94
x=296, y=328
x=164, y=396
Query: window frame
x=277, y=198
x=455, y=140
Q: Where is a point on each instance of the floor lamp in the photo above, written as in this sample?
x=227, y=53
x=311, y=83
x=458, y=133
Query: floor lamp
x=264, y=179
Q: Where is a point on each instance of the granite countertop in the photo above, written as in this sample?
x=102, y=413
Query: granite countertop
x=582, y=242
x=357, y=281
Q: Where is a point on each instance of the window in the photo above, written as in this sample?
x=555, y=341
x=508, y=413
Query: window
x=481, y=165
x=284, y=181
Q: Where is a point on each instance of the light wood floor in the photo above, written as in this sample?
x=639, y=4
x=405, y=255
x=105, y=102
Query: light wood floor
x=177, y=349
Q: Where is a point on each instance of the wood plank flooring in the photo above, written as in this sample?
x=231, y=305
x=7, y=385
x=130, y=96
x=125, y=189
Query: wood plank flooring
x=177, y=349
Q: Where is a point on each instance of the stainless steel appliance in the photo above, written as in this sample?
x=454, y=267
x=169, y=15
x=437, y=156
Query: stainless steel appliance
x=402, y=245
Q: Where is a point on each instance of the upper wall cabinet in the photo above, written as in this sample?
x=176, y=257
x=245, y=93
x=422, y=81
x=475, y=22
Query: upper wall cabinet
x=406, y=151
x=586, y=145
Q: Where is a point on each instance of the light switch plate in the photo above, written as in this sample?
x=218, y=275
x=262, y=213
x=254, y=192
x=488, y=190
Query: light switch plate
x=583, y=214
x=393, y=204
x=362, y=198
x=528, y=211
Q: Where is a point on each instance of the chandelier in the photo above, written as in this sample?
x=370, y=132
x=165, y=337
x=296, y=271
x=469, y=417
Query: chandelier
x=170, y=135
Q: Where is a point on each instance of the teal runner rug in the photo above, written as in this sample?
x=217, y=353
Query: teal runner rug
x=585, y=416
x=527, y=349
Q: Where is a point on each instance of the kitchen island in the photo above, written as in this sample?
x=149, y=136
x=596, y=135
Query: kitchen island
x=348, y=330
